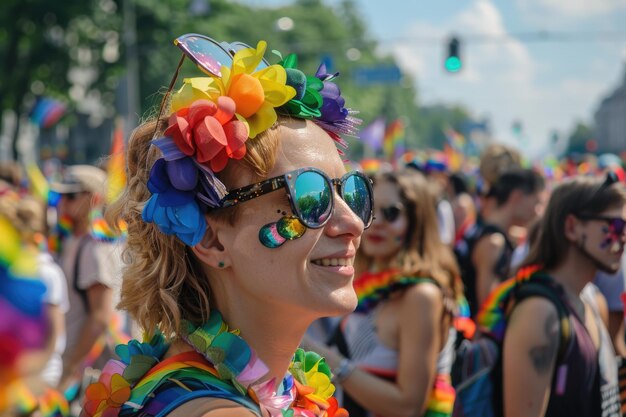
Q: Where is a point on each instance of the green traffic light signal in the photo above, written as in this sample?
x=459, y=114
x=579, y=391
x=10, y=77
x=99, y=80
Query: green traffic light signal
x=453, y=61
x=453, y=64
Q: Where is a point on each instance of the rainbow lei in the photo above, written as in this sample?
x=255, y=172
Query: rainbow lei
x=222, y=365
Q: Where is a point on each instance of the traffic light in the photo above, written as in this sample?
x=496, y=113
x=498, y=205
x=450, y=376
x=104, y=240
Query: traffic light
x=453, y=61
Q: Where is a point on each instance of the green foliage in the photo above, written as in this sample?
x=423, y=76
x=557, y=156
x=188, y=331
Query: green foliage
x=46, y=41
x=581, y=133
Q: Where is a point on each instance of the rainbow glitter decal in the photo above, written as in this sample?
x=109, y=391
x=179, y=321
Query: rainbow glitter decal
x=273, y=235
x=290, y=227
x=269, y=237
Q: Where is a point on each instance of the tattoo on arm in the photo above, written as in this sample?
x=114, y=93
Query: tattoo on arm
x=542, y=355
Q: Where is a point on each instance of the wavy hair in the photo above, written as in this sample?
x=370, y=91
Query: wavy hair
x=163, y=282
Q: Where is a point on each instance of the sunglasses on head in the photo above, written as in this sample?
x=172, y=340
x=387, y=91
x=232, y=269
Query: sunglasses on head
x=311, y=196
x=391, y=213
x=208, y=55
x=617, y=225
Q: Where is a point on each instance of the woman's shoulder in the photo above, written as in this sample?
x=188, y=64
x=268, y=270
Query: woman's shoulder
x=424, y=295
x=211, y=407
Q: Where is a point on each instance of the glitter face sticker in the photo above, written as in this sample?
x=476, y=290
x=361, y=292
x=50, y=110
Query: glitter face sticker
x=273, y=235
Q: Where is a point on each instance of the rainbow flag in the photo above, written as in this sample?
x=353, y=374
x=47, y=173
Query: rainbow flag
x=116, y=168
x=38, y=182
x=455, y=139
x=393, y=141
x=47, y=112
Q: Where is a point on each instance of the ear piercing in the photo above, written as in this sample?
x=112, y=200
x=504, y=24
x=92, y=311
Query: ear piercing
x=220, y=264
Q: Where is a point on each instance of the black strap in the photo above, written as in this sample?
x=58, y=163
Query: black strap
x=80, y=291
x=544, y=286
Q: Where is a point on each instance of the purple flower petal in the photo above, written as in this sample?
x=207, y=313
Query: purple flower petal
x=182, y=174
x=168, y=148
x=158, y=180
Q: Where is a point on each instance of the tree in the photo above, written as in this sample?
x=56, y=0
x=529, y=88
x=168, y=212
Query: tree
x=578, y=138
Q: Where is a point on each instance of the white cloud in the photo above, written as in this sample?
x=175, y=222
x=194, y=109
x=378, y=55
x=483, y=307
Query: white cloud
x=498, y=75
x=570, y=8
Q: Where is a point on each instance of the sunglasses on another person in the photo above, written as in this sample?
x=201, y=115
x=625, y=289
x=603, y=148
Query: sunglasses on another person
x=310, y=194
x=617, y=225
x=391, y=213
x=209, y=56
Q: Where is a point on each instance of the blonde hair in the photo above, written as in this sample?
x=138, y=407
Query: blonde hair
x=163, y=282
x=423, y=254
x=27, y=215
x=496, y=159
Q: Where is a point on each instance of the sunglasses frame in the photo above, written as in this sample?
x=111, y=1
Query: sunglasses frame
x=229, y=48
x=288, y=182
x=610, y=220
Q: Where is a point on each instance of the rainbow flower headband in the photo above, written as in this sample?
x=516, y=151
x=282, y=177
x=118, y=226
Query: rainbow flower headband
x=213, y=117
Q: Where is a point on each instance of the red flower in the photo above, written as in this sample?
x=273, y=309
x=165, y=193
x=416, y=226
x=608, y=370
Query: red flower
x=210, y=132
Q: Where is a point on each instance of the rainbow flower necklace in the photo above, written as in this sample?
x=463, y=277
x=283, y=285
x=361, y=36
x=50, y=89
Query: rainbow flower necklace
x=222, y=365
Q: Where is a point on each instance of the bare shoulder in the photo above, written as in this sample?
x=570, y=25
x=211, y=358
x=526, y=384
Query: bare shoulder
x=425, y=296
x=211, y=407
x=489, y=247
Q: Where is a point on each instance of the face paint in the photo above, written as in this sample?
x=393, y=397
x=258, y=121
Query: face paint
x=273, y=235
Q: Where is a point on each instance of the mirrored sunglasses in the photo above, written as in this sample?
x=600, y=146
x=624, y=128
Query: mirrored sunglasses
x=311, y=196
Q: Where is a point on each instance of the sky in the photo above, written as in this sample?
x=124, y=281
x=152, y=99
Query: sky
x=508, y=75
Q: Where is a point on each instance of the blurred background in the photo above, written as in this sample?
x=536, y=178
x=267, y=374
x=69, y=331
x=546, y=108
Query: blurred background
x=545, y=76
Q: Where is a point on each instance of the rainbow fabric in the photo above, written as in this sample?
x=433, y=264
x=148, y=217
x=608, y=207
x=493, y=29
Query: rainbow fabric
x=47, y=112
x=116, y=172
x=441, y=399
x=101, y=230
x=492, y=315
x=393, y=142
x=371, y=288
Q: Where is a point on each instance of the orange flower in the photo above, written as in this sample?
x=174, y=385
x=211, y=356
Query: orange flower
x=105, y=397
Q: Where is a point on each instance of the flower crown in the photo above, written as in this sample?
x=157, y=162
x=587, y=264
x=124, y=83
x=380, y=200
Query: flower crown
x=213, y=118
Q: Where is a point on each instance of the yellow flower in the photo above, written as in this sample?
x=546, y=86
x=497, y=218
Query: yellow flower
x=198, y=88
x=320, y=382
x=256, y=93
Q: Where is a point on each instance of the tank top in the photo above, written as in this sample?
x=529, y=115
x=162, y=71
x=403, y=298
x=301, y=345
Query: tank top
x=367, y=351
x=583, y=384
x=463, y=251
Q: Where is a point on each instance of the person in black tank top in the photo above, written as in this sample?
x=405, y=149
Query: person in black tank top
x=582, y=232
x=485, y=252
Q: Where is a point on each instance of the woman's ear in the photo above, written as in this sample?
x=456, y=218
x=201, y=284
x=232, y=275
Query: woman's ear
x=572, y=224
x=210, y=250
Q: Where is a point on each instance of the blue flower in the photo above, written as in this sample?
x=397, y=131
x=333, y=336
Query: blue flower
x=173, y=207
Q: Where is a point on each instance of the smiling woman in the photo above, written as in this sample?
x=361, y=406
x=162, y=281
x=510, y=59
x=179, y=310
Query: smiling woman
x=239, y=211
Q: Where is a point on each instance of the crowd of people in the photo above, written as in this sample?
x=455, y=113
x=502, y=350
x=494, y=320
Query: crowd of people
x=266, y=279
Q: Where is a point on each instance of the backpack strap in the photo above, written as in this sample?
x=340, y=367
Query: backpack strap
x=543, y=286
x=80, y=291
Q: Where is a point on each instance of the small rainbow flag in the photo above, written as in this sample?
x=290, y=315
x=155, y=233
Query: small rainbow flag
x=116, y=170
x=393, y=141
x=47, y=112
x=455, y=139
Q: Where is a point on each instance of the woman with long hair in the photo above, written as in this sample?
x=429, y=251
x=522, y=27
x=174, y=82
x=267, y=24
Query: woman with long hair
x=545, y=373
x=396, y=348
x=243, y=226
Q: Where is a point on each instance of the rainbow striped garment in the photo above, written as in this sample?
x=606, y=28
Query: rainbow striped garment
x=372, y=288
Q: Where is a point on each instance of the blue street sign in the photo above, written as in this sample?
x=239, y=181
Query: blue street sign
x=388, y=74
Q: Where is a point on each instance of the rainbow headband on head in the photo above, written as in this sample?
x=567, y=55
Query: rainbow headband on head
x=213, y=117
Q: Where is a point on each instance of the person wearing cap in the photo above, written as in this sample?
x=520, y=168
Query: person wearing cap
x=92, y=267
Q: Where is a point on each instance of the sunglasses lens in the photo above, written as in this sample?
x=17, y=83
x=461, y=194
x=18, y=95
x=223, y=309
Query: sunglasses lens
x=391, y=213
x=618, y=226
x=207, y=54
x=235, y=47
x=356, y=193
x=313, y=196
